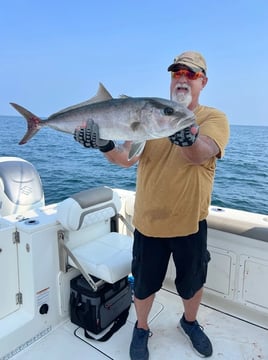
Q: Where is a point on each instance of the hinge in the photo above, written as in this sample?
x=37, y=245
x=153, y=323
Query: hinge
x=16, y=237
x=19, y=298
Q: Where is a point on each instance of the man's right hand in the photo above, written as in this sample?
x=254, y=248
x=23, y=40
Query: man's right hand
x=185, y=137
x=89, y=137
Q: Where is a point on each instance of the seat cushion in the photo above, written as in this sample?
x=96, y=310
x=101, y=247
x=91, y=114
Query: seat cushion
x=108, y=257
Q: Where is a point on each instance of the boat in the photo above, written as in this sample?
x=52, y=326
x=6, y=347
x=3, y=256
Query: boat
x=36, y=270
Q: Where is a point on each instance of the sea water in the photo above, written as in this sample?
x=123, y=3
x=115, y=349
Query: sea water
x=65, y=167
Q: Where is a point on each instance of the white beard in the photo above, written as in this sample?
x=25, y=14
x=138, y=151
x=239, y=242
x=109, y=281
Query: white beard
x=181, y=98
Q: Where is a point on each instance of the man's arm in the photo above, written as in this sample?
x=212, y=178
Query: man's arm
x=119, y=155
x=194, y=147
x=203, y=149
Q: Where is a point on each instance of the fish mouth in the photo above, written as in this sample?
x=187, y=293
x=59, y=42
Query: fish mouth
x=183, y=118
x=186, y=122
x=177, y=125
x=181, y=124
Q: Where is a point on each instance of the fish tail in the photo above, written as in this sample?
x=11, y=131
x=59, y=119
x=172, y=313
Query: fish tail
x=33, y=122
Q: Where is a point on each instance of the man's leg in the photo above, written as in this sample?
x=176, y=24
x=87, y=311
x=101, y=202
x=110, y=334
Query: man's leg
x=138, y=347
x=149, y=265
x=191, y=260
x=191, y=306
x=143, y=308
x=191, y=328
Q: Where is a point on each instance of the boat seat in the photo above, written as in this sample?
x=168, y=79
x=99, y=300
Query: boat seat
x=90, y=223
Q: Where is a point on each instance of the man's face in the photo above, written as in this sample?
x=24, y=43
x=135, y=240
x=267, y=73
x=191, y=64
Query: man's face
x=185, y=87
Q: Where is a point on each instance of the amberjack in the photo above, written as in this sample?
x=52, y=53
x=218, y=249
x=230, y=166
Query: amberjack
x=137, y=119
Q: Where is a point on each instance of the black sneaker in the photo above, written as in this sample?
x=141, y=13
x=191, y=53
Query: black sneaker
x=138, y=347
x=198, y=339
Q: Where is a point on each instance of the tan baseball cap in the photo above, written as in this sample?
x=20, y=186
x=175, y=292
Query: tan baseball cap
x=192, y=59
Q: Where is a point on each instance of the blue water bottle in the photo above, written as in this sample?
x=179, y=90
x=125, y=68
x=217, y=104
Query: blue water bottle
x=131, y=283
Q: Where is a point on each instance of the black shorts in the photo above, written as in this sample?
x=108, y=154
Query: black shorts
x=151, y=257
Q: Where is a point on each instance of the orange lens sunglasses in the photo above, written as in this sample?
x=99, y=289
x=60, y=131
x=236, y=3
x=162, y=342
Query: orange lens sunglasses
x=190, y=75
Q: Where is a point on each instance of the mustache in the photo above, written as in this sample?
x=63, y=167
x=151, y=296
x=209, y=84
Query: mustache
x=183, y=86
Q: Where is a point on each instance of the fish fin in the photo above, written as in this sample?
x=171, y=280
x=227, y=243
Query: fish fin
x=136, y=149
x=102, y=95
x=34, y=123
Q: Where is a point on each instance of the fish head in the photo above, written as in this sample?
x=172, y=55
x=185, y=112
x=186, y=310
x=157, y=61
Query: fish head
x=161, y=118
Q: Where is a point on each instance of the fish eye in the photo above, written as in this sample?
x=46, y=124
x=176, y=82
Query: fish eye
x=168, y=111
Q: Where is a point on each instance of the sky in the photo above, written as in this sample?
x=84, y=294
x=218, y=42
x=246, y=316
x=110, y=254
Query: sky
x=53, y=54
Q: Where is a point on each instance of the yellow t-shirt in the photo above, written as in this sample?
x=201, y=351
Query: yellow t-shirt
x=173, y=195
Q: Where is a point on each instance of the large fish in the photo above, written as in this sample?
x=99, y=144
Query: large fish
x=125, y=118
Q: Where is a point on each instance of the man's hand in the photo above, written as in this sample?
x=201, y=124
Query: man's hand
x=89, y=137
x=185, y=137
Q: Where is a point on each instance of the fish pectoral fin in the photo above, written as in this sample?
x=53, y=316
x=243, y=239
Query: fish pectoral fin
x=136, y=149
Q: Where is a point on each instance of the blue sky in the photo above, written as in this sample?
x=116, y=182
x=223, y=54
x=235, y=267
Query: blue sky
x=54, y=53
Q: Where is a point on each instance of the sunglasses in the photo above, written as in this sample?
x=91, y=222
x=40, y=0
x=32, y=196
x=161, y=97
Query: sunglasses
x=190, y=75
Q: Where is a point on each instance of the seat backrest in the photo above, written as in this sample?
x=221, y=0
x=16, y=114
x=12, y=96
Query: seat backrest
x=88, y=207
x=87, y=214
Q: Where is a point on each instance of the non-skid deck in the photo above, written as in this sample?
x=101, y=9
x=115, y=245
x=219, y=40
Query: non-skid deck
x=231, y=337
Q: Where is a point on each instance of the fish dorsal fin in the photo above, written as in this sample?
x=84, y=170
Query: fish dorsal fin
x=102, y=95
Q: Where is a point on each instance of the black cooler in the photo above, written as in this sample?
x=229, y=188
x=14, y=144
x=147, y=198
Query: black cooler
x=96, y=310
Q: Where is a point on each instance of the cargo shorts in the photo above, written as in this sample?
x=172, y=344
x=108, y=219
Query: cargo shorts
x=151, y=257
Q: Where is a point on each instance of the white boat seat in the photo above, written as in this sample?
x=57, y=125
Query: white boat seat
x=90, y=227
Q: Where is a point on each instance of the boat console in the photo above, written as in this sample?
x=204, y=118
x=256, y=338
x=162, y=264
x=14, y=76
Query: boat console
x=20, y=186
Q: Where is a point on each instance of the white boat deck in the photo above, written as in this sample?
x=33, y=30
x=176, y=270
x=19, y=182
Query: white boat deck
x=231, y=337
x=35, y=268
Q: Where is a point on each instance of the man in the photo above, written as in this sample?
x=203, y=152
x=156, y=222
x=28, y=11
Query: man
x=174, y=185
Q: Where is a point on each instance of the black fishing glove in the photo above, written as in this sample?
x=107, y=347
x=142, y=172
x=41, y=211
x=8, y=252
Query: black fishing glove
x=185, y=137
x=89, y=137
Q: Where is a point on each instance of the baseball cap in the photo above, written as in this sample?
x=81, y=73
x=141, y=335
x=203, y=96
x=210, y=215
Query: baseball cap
x=192, y=59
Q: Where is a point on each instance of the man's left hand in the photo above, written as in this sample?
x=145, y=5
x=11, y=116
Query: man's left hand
x=185, y=137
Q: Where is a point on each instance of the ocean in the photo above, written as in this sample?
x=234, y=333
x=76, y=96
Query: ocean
x=65, y=167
